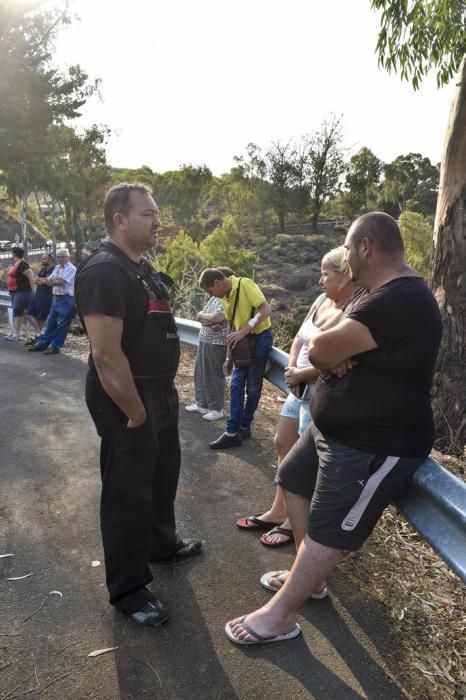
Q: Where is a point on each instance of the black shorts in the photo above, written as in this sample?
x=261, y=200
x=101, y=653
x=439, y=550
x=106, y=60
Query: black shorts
x=39, y=306
x=348, y=489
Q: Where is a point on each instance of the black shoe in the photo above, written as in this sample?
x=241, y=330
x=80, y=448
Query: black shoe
x=37, y=348
x=225, y=441
x=152, y=614
x=184, y=550
x=245, y=433
x=52, y=351
x=30, y=342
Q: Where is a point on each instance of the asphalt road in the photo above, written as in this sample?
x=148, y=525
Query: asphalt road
x=49, y=522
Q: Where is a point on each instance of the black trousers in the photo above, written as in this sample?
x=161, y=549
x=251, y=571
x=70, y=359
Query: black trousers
x=140, y=469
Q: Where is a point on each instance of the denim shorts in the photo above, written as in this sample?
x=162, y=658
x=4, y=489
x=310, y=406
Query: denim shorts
x=20, y=303
x=297, y=410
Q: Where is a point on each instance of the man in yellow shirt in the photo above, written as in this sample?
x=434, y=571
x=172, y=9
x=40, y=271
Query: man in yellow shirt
x=251, y=315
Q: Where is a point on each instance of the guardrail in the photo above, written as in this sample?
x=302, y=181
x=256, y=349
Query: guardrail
x=434, y=503
x=5, y=299
x=5, y=257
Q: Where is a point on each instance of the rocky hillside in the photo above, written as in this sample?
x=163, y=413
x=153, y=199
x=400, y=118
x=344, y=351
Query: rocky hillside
x=10, y=229
x=289, y=269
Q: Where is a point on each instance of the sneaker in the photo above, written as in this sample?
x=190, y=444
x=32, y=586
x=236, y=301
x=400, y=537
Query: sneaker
x=245, y=433
x=213, y=415
x=194, y=408
x=225, y=441
x=13, y=336
x=31, y=341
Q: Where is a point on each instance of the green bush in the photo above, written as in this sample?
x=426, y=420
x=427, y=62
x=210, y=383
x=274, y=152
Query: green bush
x=224, y=247
x=417, y=233
x=184, y=259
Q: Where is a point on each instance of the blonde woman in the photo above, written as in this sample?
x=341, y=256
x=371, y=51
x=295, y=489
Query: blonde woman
x=300, y=375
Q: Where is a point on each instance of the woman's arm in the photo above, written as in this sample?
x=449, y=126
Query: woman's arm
x=210, y=319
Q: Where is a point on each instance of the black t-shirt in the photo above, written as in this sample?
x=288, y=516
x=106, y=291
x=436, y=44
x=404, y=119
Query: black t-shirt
x=383, y=405
x=43, y=290
x=22, y=282
x=106, y=284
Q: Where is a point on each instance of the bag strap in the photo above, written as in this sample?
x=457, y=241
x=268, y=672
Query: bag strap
x=236, y=303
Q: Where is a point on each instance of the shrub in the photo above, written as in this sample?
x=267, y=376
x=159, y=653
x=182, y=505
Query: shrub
x=416, y=232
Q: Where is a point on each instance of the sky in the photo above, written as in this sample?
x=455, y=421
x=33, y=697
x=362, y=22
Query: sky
x=187, y=81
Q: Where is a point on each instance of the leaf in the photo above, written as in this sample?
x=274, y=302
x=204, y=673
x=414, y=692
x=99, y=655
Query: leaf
x=99, y=652
x=19, y=578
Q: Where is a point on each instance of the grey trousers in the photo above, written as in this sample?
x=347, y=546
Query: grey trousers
x=209, y=380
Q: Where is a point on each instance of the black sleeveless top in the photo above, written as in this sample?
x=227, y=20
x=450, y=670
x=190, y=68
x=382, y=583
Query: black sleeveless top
x=109, y=283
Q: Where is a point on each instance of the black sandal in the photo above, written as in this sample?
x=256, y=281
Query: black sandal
x=253, y=522
x=277, y=531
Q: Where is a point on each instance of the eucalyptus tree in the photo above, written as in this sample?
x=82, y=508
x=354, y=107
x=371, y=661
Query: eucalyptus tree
x=279, y=161
x=326, y=164
x=362, y=179
x=415, y=37
x=33, y=94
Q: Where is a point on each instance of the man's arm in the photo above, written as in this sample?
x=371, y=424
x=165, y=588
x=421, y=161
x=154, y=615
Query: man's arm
x=54, y=281
x=331, y=348
x=112, y=366
x=263, y=311
x=30, y=276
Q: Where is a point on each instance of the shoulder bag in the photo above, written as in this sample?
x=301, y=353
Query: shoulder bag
x=243, y=354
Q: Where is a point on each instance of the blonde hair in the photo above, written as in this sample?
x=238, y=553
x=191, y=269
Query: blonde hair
x=337, y=258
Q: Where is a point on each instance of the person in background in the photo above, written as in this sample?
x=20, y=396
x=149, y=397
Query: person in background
x=209, y=378
x=40, y=303
x=21, y=285
x=63, y=306
x=251, y=315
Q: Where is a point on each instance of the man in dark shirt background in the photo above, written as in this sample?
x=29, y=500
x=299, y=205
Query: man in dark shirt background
x=373, y=424
x=40, y=304
x=132, y=399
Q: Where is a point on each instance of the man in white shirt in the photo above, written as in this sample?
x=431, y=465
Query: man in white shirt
x=63, y=306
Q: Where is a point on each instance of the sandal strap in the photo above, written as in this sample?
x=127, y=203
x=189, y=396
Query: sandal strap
x=279, y=531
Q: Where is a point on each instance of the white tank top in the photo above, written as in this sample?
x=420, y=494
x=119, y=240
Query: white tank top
x=305, y=334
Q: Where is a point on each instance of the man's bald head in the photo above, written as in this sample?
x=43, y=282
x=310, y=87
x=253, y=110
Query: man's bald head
x=381, y=230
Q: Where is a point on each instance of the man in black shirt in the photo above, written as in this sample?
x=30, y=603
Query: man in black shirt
x=133, y=401
x=373, y=424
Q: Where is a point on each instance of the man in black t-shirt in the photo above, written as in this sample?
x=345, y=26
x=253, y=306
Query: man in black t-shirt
x=373, y=424
x=133, y=402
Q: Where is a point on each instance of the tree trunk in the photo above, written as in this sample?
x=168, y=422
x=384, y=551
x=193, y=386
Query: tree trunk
x=53, y=227
x=316, y=207
x=24, y=220
x=448, y=280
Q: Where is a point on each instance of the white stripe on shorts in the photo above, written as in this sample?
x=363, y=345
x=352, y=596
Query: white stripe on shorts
x=357, y=511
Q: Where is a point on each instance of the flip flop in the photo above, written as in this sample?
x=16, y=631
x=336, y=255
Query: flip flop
x=277, y=531
x=253, y=522
x=258, y=638
x=273, y=574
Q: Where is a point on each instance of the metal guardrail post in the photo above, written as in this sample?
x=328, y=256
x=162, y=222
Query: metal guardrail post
x=434, y=502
